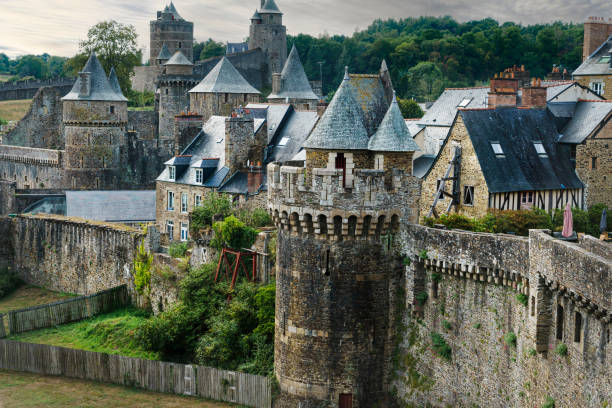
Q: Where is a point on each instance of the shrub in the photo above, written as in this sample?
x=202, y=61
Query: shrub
x=423, y=254
x=510, y=339
x=446, y=324
x=457, y=221
x=8, y=282
x=421, y=298
x=549, y=403
x=436, y=277
x=213, y=204
x=257, y=218
x=532, y=352
x=522, y=299
x=233, y=233
x=3, y=122
x=142, y=269
x=406, y=261
x=440, y=346
x=178, y=249
x=477, y=326
x=561, y=349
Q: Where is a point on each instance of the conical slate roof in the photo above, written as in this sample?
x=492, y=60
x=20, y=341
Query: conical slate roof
x=178, y=59
x=114, y=82
x=294, y=83
x=393, y=134
x=341, y=126
x=270, y=7
x=164, y=53
x=256, y=16
x=224, y=78
x=171, y=9
x=100, y=87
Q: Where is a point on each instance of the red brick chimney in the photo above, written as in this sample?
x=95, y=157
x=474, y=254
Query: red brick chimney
x=534, y=96
x=504, y=90
x=255, y=177
x=596, y=31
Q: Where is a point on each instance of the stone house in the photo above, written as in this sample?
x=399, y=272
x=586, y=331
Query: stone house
x=221, y=91
x=595, y=71
x=292, y=85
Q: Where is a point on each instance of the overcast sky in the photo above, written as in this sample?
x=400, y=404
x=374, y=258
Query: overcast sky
x=56, y=26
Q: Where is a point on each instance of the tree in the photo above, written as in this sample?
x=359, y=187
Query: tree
x=4, y=63
x=426, y=80
x=211, y=49
x=116, y=46
x=410, y=108
x=31, y=65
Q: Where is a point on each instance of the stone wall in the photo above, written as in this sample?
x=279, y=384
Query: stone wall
x=27, y=89
x=144, y=78
x=8, y=202
x=72, y=255
x=6, y=243
x=587, y=80
x=32, y=168
x=173, y=100
x=219, y=104
x=598, y=179
x=144, y=123
x=42, y=126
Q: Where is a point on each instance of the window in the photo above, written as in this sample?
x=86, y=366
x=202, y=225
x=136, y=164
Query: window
x=578, y=327
x=533, y=305
x=198, y=200
x=604, y=60
x=283, y=141
x=497, y=149
x=170, y=201
x=184, y=231
x=226, y=97
x=527, y=197
x=170, y=229
x=166, y=91
x=199, y=176
x=540, y=149
x=560, y=319
x=597, y=87
x=593, y=163
x=112, y=110
x=379, y=161
x=573, y=152
x=465, y=102
x=468, y=195
x=184, y=202
x=172, y=173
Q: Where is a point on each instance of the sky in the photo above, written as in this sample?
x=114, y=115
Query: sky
x=57, y=26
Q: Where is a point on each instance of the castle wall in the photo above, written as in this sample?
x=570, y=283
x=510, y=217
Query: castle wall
x=6, y=242
x=42, y=125
x=72, y=255
x=588, y=80
x=27, y=89
x=176, y=34
x=8, y=203
x=173, y=100
x=472, y=282
x=144, y=78
x=144, y=123
x=32, y=168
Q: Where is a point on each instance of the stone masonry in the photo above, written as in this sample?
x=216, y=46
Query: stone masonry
x=594, y=166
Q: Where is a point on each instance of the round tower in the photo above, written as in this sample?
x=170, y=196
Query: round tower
x=337, y=271
x=268, y=33
x=95, y=121
x=172, y=30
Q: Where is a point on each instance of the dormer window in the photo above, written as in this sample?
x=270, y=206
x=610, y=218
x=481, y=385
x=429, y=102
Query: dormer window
x=283, y=141
x=465, y=102
x=540, y=149
x=172, y=173
x=497, y=149
x=199, y=176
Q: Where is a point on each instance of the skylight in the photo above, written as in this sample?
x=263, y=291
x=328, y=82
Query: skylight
x=284, y=141
x=465, y=102
x=540, y=149
x=604, y=60
x=497, y=149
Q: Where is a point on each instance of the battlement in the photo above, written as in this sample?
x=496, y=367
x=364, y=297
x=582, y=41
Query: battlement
x=10, y=86
x=27, y=155
x=327, y=204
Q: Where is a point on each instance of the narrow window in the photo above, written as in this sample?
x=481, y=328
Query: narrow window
x=560, y=319
x=170, y=201
x=166, y=91
x=341, y=165
x=112, y=110
x=170, y=229
x=184, y=202
x=346, y=401
x=97, y=183
x=468, y=195
x=226, y=97
x=593, y=163
x=533, y=306
x=199, y=176
x=434, y=289
x=198, y=200
x=172, y=173
x=180, y=45
x=578, y=327
x=326, y=263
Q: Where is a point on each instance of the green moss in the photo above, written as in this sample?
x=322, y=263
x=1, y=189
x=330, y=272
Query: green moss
x=440, y=346
x=510, y=339
x=531, y=352
x=423, y=254
x=446, y=324
x=421, y=298
x=477, y=326
x=522, y=299
x=549, y=403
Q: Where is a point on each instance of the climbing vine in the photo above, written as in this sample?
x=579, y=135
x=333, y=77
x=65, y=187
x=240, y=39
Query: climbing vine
x=142, y=269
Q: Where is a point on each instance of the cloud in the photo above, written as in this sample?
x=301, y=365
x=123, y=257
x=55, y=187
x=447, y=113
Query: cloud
x=57, y=26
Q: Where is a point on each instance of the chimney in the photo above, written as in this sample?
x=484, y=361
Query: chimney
x=186, y=128
x=534, y=96
x=276, y=83
x=239, y=137
x=85, y=81
x=255, y=177
x=504, y=90
x=596, y=32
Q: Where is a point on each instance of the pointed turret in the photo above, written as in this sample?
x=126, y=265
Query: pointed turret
x=393, y=134
x=270, y=7
x=341, y=126
x=224, y=78
x=114, y=82
x=293, y=84
x=164, y=55
x=256, y=16
x=93, y=85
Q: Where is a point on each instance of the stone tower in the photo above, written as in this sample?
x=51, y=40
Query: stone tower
x=337, y=268
x=292, y=86
x=268, y=33
x=95, y=120
x=172, y=30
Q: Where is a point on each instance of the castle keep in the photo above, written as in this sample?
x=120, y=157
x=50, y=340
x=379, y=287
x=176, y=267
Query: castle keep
x=170, y=33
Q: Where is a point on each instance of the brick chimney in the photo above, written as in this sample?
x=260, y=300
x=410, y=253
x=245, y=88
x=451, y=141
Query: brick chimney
x=596, y=32
x=85, y=82
x=276, y=83
x=255, y=177
x=186, y=128
x=504, y=90
x=239, y=137
x=534, y=96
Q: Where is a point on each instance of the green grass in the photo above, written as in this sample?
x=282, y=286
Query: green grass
x=141, y=108
x=25, y=390
x=4, y=78
x=27, y=296
x=111, y=333
x=14, y=110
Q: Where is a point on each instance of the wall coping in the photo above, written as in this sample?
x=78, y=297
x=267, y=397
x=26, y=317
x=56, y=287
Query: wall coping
x=82, y=222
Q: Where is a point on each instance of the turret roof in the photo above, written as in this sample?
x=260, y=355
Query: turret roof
x=178, y=59
x=256, y=16
x=393, y=134
x=294, y=83
x=100, y=88
x=114, y=82
x=224, y=78
x=341, y=126
x=270, y=7
x=164, y=53
x=172, y=10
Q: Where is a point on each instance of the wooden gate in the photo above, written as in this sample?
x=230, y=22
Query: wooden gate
x=346, y=400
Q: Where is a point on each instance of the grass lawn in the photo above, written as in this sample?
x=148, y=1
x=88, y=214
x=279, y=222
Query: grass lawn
x=24, y=390
x=14, y=110
x=141, y=108
x=28, y=296
x=112, y=333
x=4, y=78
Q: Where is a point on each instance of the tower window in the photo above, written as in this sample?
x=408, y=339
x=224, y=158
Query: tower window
x=578, y=327
x=166, y=91
x=112, y=110
x=180, y=45
x=560, y=319
x=593, y=163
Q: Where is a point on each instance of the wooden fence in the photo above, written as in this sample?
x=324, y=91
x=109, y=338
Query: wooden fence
x=65, y=311
x=174, y=378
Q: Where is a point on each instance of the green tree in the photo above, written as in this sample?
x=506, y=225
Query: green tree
x=427, y=80
x=116, y=46
x=410, y=108
x=4, y=63
x=211, y=48
x=31, y=65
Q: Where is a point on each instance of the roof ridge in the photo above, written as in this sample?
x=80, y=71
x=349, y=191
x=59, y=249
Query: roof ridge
x=467, y=87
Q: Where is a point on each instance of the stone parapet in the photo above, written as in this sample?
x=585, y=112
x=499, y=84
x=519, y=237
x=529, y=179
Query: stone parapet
x=46, y=157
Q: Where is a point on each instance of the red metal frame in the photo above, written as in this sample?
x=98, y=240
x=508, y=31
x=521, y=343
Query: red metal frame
x=227, y=266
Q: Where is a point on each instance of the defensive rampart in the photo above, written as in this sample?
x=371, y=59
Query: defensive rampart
x=27, y=89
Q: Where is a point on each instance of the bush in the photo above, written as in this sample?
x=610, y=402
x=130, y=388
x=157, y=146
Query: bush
x=440, y=346
x=446, y=324
x=510, y=339
x=3, y=122
x=213, y=204
x=8, y=282
x=410, y=108
x=257, y=218
x=532, y=352
x=522, y=299
x=549, y=403
x=178, y=249
x=142, y=269
x=140, y=99
x=561, y=349
x=421, y=298
x=233, y=233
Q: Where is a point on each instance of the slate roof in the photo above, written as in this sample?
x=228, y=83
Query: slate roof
x=114, y=82
x=179, y=59
x=291, y=135
x=443, y=111
x=521, y=168
x=392, y=134
x=170, y=9
x=369, y=92
x=341, y=126
x=111, y=206
x=100, y=88
x=587, y=117
x=256, y=15
x=224, y=78
x=592, y=65
x=270, y=7
x=563, y=112
x=237, y=184
x=164, y=53
x=422, y=164
x=294, y=82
